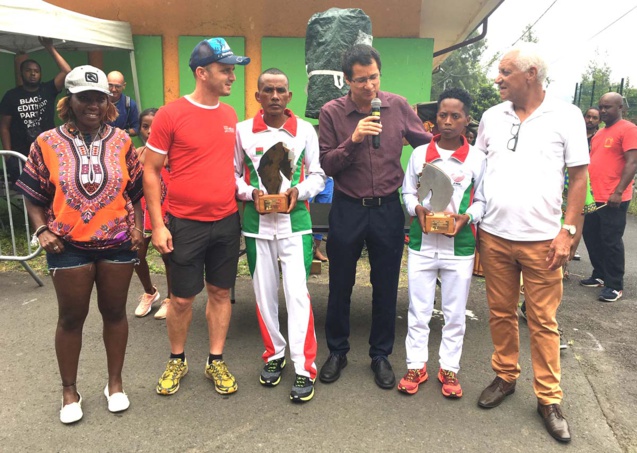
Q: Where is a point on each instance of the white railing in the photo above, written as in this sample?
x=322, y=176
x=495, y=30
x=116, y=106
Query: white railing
x=15, y=204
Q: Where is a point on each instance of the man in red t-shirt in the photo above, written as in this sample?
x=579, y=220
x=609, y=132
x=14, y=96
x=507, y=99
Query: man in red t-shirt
x=197, y=132
x=612, y=173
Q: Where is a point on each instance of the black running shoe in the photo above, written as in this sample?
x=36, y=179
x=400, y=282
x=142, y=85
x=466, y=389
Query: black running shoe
x=610, y=295
x=271, y=373
x=591, y=282
x=302, y=390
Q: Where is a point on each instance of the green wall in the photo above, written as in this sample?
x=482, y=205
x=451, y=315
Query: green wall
x=288, y=55
x=150, y=70
x=187, y=81
x=6, y=74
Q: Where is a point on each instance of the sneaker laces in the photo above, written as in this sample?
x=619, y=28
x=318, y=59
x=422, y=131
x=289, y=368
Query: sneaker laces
x=174, y=366
x=272, y=365
x=450, y=377
x=145, y=297
x=301, y=381
x=220, y=369
x=412, y=375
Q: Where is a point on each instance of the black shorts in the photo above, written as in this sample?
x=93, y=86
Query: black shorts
x=199, y=246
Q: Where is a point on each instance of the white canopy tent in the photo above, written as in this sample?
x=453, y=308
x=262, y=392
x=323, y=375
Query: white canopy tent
x=22, y=21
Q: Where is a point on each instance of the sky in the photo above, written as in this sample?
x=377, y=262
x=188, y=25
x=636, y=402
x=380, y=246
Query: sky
x=570, y=35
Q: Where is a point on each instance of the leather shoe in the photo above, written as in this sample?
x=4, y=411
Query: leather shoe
x=331, y=369
x=554, y=421
x=383, y=373
x=495, y=393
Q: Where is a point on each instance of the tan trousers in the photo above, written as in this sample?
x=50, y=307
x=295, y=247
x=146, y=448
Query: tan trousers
x=503, y=260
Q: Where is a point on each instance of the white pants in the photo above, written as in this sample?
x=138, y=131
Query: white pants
x=295, y=257
x=456, y=279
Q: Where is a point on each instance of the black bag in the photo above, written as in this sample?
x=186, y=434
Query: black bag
x=329, y=34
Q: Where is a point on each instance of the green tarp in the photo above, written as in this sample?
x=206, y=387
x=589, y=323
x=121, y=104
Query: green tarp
x=328, y=35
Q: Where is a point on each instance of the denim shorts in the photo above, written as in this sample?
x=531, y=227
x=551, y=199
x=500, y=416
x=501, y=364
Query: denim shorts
x=73, y=256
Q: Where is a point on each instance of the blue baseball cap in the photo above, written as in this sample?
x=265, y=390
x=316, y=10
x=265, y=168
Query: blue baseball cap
x=214, y=50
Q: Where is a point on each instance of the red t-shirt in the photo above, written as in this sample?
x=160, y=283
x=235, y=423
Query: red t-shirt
x=607, y=159
x=199, y=141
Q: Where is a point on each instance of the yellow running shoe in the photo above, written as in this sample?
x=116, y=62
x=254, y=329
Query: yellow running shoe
x=218, y=373
x=169, y=381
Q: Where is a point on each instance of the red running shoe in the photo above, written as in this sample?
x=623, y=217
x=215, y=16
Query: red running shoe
x=410, y=382
x=450, y=384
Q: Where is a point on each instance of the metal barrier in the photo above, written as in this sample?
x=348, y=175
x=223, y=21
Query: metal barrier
x=15, y=202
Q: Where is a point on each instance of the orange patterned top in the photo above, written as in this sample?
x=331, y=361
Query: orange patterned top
x=87, y=188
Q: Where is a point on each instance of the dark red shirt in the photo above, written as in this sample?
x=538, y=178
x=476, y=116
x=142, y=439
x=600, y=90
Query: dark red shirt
x=358, y=169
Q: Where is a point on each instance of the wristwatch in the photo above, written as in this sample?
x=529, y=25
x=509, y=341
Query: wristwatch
x=570, y=228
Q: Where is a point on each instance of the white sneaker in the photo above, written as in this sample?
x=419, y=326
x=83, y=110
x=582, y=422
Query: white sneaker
x=161, y=313
x=117, y=402
x=146, y=302
x=72, y=412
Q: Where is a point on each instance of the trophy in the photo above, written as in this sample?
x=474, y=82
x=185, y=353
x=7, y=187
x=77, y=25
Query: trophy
x=275, y=164
x=434, y=180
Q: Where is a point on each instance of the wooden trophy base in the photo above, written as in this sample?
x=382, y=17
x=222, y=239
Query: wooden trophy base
x=439, y=223
x=273, y=203
x=477, y=266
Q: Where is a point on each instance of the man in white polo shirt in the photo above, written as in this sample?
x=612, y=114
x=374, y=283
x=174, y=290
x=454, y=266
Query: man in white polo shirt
x=529, y=139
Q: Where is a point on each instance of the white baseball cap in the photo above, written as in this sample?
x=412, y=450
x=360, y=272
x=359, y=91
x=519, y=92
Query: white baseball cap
x=86, y=78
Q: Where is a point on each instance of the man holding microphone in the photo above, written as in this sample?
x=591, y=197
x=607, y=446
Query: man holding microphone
x=363, y=157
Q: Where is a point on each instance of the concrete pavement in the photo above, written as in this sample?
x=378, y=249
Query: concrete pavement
x=352, y=414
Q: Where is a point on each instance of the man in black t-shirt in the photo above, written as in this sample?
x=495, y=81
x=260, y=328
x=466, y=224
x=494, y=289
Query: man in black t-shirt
x=28, y=110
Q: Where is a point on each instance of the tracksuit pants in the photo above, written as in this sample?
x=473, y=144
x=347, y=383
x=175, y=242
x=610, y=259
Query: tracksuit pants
x=295, y=255
x=455, y=275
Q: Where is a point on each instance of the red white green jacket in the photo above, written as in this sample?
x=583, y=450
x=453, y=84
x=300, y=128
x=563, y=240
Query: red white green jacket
x=254, y=138
x=466, y=168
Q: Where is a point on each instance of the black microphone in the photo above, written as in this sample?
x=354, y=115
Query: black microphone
x=376, y=112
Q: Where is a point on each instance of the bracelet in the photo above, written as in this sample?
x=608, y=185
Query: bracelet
x=135, y=228
x=35, y=241
x=41, y=229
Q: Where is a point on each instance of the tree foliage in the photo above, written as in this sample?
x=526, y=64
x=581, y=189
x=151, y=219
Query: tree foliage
x=599, y=72
x=463, y=69
x=528, y=35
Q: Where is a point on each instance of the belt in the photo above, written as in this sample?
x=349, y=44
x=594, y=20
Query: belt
x=368, y=202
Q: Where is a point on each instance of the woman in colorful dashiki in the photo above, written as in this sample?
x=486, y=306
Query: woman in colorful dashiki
x=83, y=187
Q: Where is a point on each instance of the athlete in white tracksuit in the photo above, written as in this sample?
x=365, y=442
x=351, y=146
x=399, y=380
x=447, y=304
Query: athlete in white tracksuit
x=286, y=237
x=431, y=254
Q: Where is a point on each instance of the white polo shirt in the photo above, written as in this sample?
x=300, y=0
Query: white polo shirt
x=523, y=188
